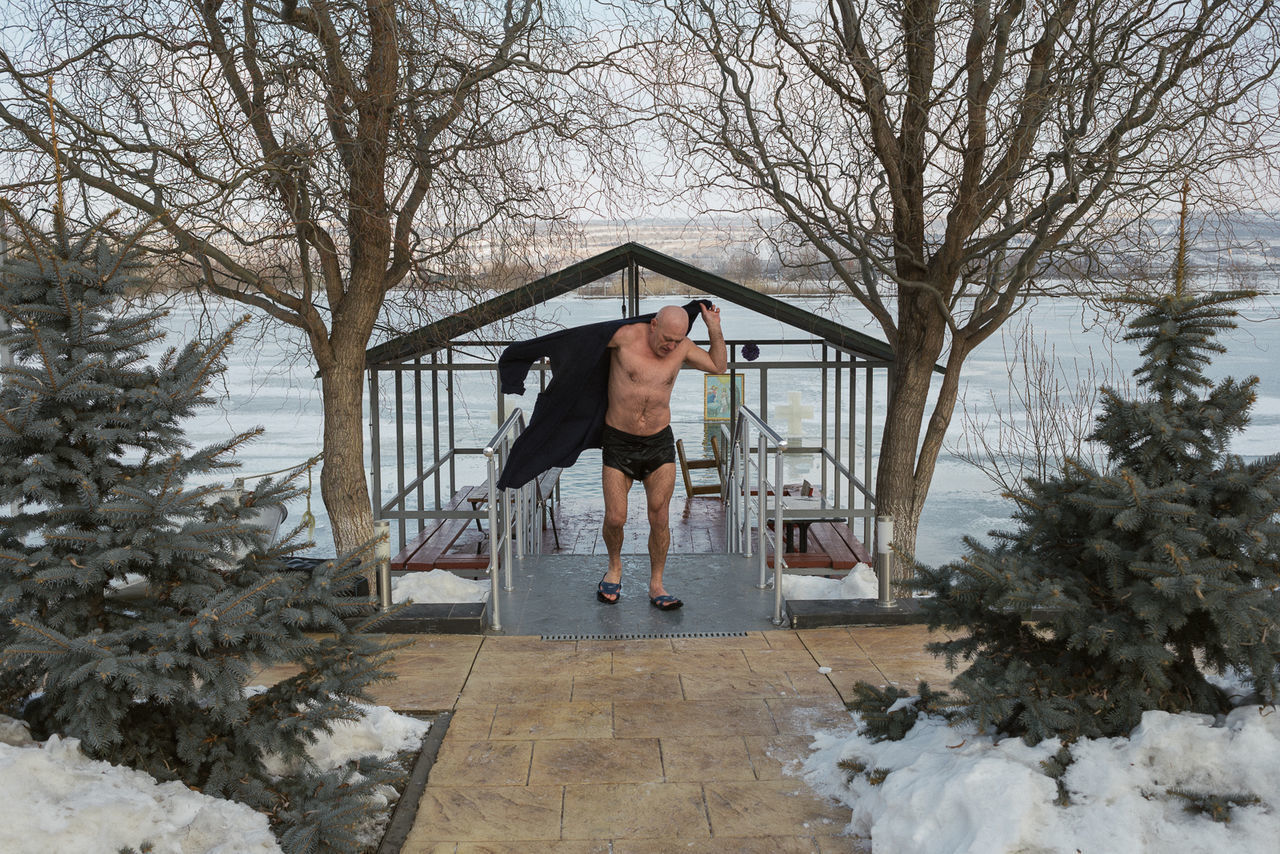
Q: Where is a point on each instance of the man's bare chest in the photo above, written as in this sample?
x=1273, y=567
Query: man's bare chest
x=644, y=370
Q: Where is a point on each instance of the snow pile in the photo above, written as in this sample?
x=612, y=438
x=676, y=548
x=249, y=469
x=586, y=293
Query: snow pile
x=860, y=583
x=438, y=585
x=952, y=790
x=60, y=800
x=378, y=732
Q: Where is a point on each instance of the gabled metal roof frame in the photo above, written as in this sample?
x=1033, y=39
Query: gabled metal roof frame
x=437, y=335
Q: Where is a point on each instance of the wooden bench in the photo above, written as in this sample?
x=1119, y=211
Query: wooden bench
x=825, y=538
x=429, y=549
x=544, y=498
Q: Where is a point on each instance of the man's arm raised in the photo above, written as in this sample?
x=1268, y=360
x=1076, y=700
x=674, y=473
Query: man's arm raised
x=716, y=361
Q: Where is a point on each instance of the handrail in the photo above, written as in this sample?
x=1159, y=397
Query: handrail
x=501, y=512
x=738, y=493
x=741, y=491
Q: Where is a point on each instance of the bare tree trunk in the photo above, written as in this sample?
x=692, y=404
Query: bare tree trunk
x=342, y=478
x=917, y=346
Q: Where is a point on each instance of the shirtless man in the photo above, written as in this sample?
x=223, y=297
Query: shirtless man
x=638, y=444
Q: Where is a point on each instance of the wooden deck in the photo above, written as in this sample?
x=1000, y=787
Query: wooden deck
x=697, y=527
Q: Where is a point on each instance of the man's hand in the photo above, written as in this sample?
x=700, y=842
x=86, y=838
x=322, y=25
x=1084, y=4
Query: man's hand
x=710, y=316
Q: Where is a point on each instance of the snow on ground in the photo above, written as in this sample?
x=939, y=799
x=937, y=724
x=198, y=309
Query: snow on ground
x=860, y=583
x=438, y=585
x=57, y=799
x=951, y=790
x=53, y=798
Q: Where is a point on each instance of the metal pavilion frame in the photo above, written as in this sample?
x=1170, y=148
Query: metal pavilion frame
x=849, y=363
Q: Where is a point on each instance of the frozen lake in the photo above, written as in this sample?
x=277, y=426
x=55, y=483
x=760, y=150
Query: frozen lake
x=269, y=384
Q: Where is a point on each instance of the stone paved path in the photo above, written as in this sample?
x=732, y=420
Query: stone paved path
x=639, y=746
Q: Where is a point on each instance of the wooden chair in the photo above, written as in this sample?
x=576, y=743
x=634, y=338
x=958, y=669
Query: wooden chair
x=686, y=464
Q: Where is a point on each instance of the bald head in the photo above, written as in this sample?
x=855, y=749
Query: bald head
x=667, y=329
x=672, y=320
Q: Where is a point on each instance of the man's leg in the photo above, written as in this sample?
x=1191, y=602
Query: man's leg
x=658, y=487
x=616, y=487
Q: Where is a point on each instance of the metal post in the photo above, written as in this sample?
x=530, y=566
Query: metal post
x=495, y=623
x=884, y=560
x=778, y=563
x=760, y=512
x=866, y=449
x=508, y=507
x=399, y=384
x=382, y=528
x=417, y=414
x=435, y=423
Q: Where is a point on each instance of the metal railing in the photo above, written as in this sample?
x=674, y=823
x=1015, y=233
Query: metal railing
x=509, y=516
x=748, y=486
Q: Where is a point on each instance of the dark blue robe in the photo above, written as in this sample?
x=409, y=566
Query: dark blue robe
x=568, y=416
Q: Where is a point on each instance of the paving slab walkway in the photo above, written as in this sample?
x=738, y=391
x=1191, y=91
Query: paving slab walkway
x=640, y=746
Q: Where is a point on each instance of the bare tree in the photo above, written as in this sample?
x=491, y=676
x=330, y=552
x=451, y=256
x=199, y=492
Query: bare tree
x=1044, y=417
x=307, y=158
x=946, y=157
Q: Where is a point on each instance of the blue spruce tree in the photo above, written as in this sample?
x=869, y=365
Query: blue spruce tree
x=1120, y=589
x=93, y=464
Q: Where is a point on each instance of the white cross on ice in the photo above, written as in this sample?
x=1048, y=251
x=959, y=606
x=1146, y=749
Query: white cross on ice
x=795, y=413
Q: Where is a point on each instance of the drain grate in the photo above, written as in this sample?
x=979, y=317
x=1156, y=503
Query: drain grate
x=645, y=636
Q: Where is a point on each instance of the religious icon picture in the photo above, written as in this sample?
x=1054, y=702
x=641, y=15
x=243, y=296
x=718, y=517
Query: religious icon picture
x=715, y=389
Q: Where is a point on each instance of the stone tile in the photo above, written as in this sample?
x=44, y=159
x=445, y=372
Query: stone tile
x=430, y=665
x=784, y=640
x=771, y=808
x=690, y=719
x=561, y=661
x=717, y=684
x=417, y=695
x=777, y=757
x=752, y=640
x=596, y=760
x=909, y=640
x=633, y=645
x=471, y=723
x=769, y=660
x=811, y=683
x=487, y=813
x=452, y=647
x=848, y=658
x=819, y=638
x=701, y=760
x=809, y=714
x=631, y=686
x=843, y=845
x=553, y=720
x=673, y=811
x=530, y=847
x=520, y=643
x=685, y=661
x=721, y=845
x=504, y=690
x=425, y=846
x=845, y=679
x=482, y=763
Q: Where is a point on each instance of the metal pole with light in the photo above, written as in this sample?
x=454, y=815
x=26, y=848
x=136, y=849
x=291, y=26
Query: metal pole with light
x=382, y=551
x=884, y=560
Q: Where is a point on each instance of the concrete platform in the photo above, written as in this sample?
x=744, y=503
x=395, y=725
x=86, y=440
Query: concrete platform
x=555, y=596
